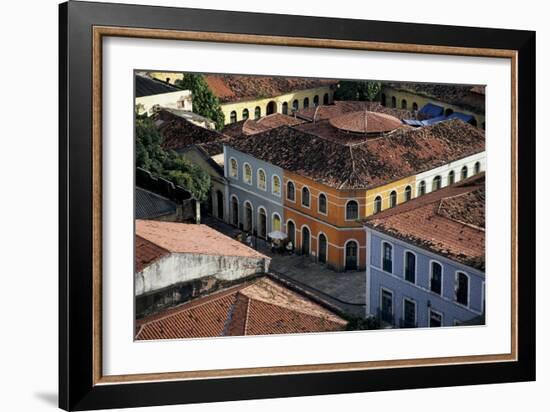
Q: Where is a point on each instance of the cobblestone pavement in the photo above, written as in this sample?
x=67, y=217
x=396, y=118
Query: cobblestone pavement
x=345, y=290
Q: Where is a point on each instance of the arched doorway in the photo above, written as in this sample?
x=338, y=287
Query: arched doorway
x=325, y=98
x=247, y=216
x=322, y=248
x=271, y=108
x=262, y=224
x=449, y=112
x=351, y=255
x=306, y=241
x=291, y=232
x=219, y=204
x=234, y=211
x=383, y=99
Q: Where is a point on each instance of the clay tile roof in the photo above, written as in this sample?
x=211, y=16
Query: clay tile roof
x=365, y=122
x=465, y=96
x=326, y=112
x=260, y=307
x=344, y=160
x=179, y=133
x=253, y=126
x=234, y=88
x=449, y=222
x=191, y=238
x=147, y=253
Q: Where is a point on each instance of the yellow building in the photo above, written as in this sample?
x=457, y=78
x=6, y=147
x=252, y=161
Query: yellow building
x=389, y=195
x=243, y=97
x=167, y=77
x=469, y=100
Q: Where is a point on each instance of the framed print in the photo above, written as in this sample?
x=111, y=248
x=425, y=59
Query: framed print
x=257, y=206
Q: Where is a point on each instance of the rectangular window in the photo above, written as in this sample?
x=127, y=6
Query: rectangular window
x=410, y=267
x=386, y=314
x=409, y=313
x=436, y=319
x=435, y=280
x=387, y=263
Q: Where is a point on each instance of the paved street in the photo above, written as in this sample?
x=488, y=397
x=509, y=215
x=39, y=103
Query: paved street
x=344, y=290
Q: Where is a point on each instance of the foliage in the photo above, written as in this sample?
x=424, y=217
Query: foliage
x=183, y=173
x=152, y=157
x=358, y=90
x=205, y=102
x=358, y=323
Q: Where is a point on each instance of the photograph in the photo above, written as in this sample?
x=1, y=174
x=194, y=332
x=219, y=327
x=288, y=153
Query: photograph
x=269, y=205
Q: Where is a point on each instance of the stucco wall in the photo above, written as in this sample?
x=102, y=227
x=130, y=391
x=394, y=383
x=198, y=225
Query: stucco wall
x=420, y=291
x=421, y=101
x=174, y=100
x=244, y=192
x=300, y=95
x=183, y=267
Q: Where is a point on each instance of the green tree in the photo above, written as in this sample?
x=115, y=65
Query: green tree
x=358, y=90
x=183, y=173
x=149, y=154
x=205, y=102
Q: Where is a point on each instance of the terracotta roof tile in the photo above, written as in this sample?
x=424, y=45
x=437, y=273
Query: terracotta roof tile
x=234, y=88
x=466, y=96
x=261, y=307
x=179, y=133
x=338, y=108
x=190, y=238
x=449, y=222
x=147, y=253
x=351, y=160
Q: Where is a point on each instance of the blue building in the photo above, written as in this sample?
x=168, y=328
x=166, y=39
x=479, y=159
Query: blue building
x=426, y=259
x=254, y=193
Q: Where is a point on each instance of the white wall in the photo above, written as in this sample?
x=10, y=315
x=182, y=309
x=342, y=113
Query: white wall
x=29, y=330
x=181, y=99
x=183, y=267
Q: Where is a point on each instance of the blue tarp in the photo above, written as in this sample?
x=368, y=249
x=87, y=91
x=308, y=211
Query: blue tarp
x=431, y=110
x=420, y=123
x=461, y=116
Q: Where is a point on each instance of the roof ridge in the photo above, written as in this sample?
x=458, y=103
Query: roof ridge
x=247, y=315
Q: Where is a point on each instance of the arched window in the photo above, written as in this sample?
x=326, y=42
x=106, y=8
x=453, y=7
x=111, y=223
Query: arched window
x=234, y=211
x=271, y=108
x=436, y=183
x=285, y=108
x=422, y=188
x=262, y=223
x=377, y=204
x=393, y=198
x=322, y=204
x=295, y=105
x=383, y=99
x=306, y=102
x=261, y=179
x=325, y=98
x=477, y=168
x=387, y=257
x=257, y=112
x=233, y=168
x=408, y=193
x=464, y=173
x=415, y=106
x=404, y=104
x=351, y=255
x=290, y=191
x=315, y=101
x=276, y=223
x=245, y=114
x=305, y=196
x=462, y=288
x=436, y=277
x=451, y=177
x=247, y=173
x=233, y=118
x=276, y=185
x=393, y=102
x=410, y=267
x=352, y=210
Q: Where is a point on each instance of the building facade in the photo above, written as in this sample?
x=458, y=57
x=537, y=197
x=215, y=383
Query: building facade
x=254, y=193
x=426, y=259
